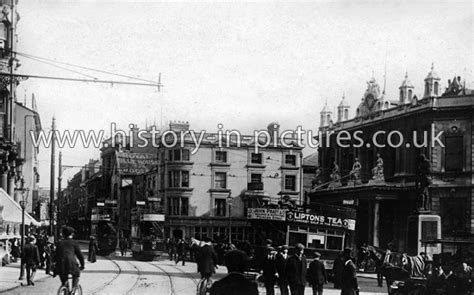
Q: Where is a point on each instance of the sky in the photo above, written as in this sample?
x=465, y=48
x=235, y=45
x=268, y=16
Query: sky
x=241, y=64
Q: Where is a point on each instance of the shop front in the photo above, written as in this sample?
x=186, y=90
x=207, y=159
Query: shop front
x=325, y=232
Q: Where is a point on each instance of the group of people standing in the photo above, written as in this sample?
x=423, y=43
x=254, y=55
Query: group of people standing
x=37, y=253
x=57, y=259
x=292, y=273
x=177, y=250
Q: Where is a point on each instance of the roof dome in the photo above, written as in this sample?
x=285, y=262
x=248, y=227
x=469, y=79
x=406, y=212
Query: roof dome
x=406, y=83
x=432, y=74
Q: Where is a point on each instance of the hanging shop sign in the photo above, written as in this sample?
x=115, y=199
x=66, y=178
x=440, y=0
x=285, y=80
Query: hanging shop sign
x=319, y=219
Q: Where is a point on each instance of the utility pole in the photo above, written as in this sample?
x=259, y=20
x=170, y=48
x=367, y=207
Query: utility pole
x=60, y=174
x=51, y=192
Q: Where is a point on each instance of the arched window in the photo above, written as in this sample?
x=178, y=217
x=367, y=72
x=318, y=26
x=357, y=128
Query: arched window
x=436, y=88
x=328, y=118
x=346, y=114
x=401, y=95
x=410, y=93
x=386, y=104
x=427, y=89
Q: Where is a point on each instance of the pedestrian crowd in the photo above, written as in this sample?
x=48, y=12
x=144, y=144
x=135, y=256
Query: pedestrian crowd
x=60, y=259
x=457, y=279
x=291, y=273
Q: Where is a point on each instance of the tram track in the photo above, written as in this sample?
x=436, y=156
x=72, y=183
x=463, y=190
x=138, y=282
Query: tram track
x=172, y=289
x=119, y=271
x=137, y=281
x=190, y=276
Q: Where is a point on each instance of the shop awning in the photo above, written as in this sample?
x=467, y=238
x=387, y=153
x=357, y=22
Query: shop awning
x=10, y=211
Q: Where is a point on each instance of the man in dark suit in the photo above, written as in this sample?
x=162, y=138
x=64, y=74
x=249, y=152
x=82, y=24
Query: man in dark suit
x=281, y=262
x=317, y=275
x=207, y=259
x=31, y=259
x=269, y=271
x=66, y=253
x=349, y=285
x=296, y=269
x=235, y=283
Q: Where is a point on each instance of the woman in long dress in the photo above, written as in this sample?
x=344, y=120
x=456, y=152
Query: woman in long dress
x=92, y=249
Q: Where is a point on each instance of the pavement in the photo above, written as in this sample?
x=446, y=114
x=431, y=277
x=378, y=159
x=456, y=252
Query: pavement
x=10, y=273
x=123, y=275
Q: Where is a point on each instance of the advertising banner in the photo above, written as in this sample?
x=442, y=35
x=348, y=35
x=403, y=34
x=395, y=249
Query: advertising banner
x=319, y=219
x=135, y=163
x=267, y=214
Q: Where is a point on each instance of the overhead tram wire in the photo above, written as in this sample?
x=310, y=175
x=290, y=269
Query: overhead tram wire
x=159, y=85
x=60, y=67
x=93, y=80
x=82, y=67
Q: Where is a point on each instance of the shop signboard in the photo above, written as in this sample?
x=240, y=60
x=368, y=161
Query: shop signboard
x=267, y=214
x=153, y=217
x=135, y=163
x=320, y=219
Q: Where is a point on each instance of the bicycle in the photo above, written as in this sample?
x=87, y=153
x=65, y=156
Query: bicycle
x=204, y=286
x=65, y=290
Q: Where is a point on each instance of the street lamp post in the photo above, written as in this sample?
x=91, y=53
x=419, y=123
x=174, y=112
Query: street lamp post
x=23, y=206
x=229, y=202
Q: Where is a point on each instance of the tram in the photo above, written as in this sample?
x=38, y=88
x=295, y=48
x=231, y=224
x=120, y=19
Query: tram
x=104, y=231
x=147, y=235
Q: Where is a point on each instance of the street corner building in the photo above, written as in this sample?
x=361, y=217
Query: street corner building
x=19, y=176
x=404, y=165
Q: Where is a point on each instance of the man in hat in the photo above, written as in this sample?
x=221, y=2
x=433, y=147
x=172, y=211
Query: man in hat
x=207, y=259
x=297, y=268
x=317, y=275
x=31, y=259
x=269, y=271
x=281, y=261
x=349, y=285
x=66, y=253
x=235, y=283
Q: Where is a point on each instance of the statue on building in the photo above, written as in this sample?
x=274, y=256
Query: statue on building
x=355, y=173
x=423, y=181
x=377, y=171
x=316, y=181
x=335, y=176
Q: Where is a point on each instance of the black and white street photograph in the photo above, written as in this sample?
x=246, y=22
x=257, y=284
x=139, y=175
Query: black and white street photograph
x=230, y=147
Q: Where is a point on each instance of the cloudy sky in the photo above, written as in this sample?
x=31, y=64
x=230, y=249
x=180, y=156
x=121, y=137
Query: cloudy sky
x=241, y=64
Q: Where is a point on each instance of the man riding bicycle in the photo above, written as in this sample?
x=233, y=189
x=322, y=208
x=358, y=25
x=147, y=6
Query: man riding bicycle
x=207, y=259
x=66, y=262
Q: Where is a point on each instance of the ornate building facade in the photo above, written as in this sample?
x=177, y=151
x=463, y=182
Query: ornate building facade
x=376, y=161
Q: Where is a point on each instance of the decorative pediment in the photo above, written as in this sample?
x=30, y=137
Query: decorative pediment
x=371, y=100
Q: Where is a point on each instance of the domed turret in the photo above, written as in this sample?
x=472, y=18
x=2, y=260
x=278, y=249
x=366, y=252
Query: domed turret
x=406, y=91
x=343, y=110
x=326, y=115
x=432, y=83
